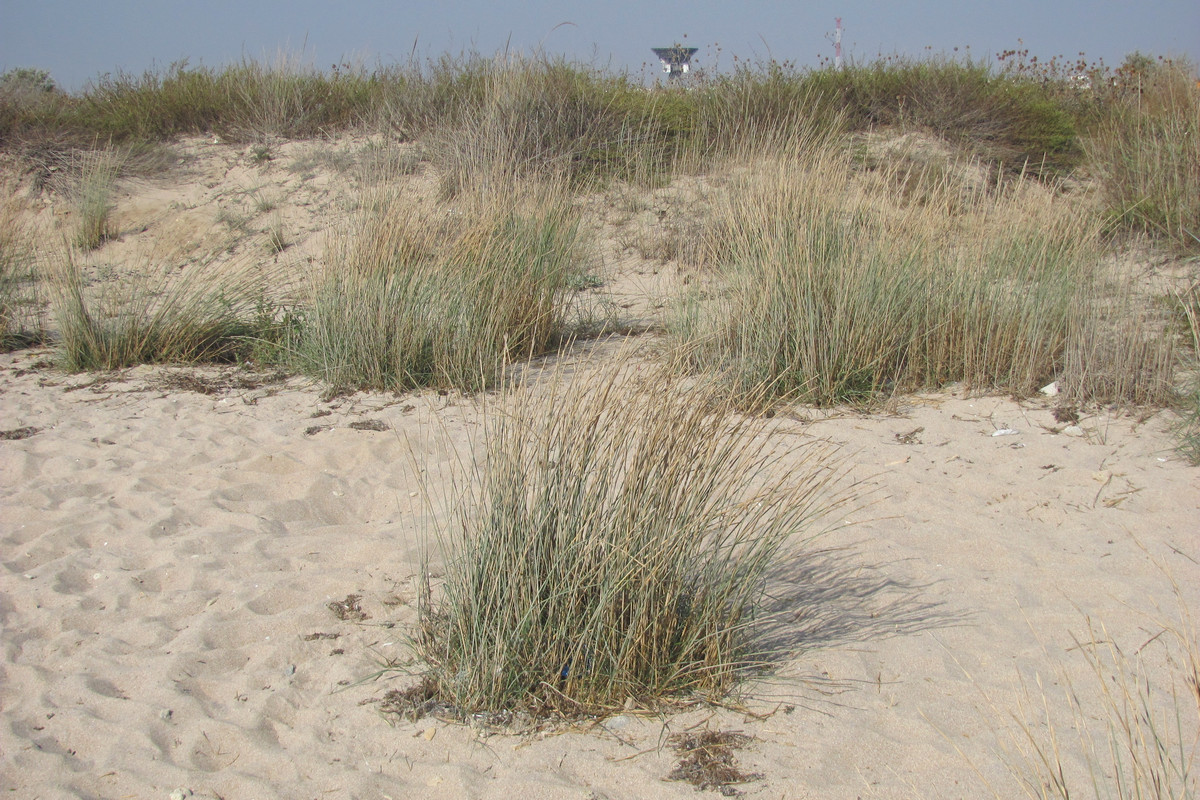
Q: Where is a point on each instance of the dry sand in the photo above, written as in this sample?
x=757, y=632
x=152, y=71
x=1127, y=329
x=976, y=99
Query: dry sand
x=170, y=557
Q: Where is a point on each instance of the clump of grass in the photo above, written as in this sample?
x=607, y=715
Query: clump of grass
x=277, y=239
x=243, y=101
x=1145, y=149
x=261, y=154
x=98, y=174
x=830, y=292
x=237, y=222
x=1121, y=349
x=1005, y=119
x=19, y=295
x=549, y=119
x=611, y=543
x=264, y=202
x=1188, y=427
x=412, y=299
x=752, y=102
x=155, y=317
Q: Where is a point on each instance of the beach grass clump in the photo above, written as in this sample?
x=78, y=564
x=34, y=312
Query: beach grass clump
x=610, y=543
x=20, y=300
x=1124, y=347
x=152, y=316
x=830, y=292
x=1145, y=151
x=411, y=298
x=750, y=102
x=93, y=196
x=1188, y=427
x=829, y=295
x=548, y=119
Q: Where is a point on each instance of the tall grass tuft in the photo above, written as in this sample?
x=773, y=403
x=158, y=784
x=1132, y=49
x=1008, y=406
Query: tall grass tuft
x=832, y=292
x=98, y=174
x=1146, y=152
x=414, y=299
x=540, y=118
x=193, y=316
x=20, y=322
x=242, y=101
x=1188, y=428
x=1122, y=349
x=612, y=542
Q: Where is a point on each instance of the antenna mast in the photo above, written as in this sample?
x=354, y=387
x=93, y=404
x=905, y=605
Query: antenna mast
x=837, y=44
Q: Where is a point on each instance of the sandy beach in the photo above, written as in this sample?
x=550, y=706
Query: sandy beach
x=171, y=557
x=210, y=572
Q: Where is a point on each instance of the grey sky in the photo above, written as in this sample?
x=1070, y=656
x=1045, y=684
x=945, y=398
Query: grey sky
x=81, y=39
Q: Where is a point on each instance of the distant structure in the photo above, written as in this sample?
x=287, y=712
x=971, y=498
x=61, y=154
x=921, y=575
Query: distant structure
x=837, y=45
x=675, y=59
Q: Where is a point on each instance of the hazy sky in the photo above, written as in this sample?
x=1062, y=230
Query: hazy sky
x=81, y=39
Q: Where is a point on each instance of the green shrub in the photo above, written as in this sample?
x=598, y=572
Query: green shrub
x=26, y=83
x=1003, y=118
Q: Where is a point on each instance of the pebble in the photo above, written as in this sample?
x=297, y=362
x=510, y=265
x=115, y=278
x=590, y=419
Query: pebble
x=181, y=794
